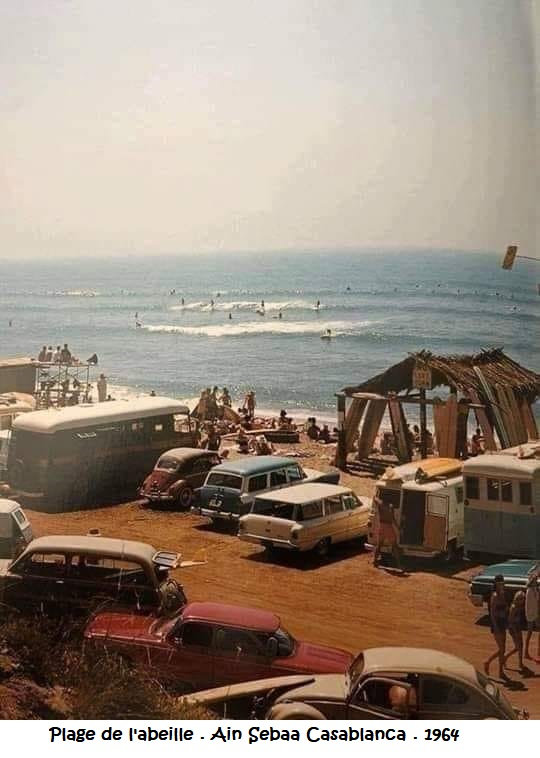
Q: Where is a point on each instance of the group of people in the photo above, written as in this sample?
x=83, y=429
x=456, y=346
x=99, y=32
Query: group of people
x=61, y=355
x=522, y=613
x=316, y=433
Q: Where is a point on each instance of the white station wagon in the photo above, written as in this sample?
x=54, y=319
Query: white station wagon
x=306, y=517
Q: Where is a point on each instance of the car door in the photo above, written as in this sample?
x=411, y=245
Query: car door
x=198, y=473
x=278, y=479
x=37, y=582
x=444, y=698
x=359, y=516
x=337, y=518
x=240, y=656
x=186, y=657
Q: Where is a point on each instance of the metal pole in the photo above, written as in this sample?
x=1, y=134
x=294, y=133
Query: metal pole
x=423, y=436
x=341, y=449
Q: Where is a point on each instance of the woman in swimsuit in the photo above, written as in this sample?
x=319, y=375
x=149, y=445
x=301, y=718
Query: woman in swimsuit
x=516, y=617
x=498, y=612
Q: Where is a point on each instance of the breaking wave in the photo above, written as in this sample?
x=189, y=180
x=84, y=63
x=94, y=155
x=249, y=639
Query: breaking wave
x=338, y=328
x=248, y=305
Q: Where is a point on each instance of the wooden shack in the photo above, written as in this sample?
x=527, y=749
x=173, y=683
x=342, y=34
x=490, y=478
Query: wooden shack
x=18, y=375
x=499, y=391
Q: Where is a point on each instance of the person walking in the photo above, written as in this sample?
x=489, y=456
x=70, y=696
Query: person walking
x=516, y=617
x=498, y=614
x=532, y=612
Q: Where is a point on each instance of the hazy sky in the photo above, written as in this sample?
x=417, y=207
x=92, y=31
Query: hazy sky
x=142, y=126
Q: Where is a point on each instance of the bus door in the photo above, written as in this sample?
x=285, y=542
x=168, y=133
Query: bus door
x=436, y=522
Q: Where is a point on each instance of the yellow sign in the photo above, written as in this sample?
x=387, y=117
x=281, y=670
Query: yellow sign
x=510, y=257
x=421, y=377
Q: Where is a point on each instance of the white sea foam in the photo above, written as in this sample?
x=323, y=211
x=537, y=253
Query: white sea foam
x=338, y=328
x=248, y=305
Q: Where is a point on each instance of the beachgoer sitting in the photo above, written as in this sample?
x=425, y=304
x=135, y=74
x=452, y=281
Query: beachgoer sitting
x=213, y=440
x=477, y=443
x=65, y=354
x=312, y=429
x=262, y=446
x=324, y=434
x=242, y=440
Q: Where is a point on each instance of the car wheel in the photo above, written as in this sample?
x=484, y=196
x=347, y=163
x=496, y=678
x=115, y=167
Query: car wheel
x=322, y=548
x=185, y=497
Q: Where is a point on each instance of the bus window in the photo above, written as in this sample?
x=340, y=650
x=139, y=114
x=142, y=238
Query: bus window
x=525, y=493
x=506, y=491
x=493, y=489
x=472, y=487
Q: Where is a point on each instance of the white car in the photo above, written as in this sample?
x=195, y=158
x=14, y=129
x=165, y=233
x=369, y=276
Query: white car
x=306, y=517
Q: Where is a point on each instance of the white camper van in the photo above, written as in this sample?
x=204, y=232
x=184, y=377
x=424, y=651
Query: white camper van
x=426, y=498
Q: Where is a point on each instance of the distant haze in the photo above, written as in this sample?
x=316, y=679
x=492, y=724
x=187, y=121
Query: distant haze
x=186, y=125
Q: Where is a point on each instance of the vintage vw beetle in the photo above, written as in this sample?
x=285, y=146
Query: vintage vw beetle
x=176, y=475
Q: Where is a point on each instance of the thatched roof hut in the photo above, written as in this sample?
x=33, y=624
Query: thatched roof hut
x=498, y=389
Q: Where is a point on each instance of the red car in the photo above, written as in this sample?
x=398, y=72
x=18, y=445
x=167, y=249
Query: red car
x=212, y=644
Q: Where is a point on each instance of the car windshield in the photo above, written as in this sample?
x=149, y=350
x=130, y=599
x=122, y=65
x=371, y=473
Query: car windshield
x=285, y=641
x=355, y=671
x=495, y=695
x=167, y=463
x=221, y=479
x=274, y=508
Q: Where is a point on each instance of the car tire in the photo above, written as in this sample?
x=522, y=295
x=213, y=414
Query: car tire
x=185, y=498
x=322, y=548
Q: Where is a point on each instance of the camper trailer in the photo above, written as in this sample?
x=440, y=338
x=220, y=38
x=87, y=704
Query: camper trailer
x=502, y=505
x=426, y=498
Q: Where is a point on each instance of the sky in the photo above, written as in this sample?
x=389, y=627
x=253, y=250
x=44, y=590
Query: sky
x=144, y=127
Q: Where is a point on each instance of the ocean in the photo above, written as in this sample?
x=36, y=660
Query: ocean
x=379, y=306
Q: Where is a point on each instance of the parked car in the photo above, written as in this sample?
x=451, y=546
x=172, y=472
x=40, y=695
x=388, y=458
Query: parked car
x=231, y=488
x=515, y=572
x=15, y=529
x=76, y=574
x=177, y=474
x=306, y=517
x=209, y=644
x=381, y=683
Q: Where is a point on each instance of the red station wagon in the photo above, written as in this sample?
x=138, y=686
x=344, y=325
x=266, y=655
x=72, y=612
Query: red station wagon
x=212, y=644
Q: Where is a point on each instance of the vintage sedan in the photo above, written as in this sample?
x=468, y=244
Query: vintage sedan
x=516, y=573
x=381, y=683
x=75, y=574
x=176, y=475
x=209, y=644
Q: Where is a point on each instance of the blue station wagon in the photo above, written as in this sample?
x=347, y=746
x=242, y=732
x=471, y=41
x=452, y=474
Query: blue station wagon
x=231, y=488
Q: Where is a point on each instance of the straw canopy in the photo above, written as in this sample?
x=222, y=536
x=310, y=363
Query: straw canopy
x=456, y=371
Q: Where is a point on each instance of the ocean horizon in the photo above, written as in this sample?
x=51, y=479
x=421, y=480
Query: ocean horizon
x=379, y=305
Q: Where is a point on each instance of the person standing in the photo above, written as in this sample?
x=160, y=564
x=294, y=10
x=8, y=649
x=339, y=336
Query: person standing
x=42, y=357
x=498, y=614
x=387, y=532
x=49, y=355
x=532, y=612
x=65, y=354
x=57, y=355
x=226, y=398
x=250, y=405
x=102, y=388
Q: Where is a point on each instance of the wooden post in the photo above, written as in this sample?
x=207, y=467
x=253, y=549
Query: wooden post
x=341, y=449
x=423, y=427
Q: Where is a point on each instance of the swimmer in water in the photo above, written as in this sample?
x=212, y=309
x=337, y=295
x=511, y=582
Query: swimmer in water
x=182, y=301
x=262, y=304
x=211, y=304
x=318, y=305
x=230, y=316
x=138, y=324
x=280, y=315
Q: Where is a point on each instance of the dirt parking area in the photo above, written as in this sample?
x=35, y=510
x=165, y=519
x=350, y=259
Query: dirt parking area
x=343, y=601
